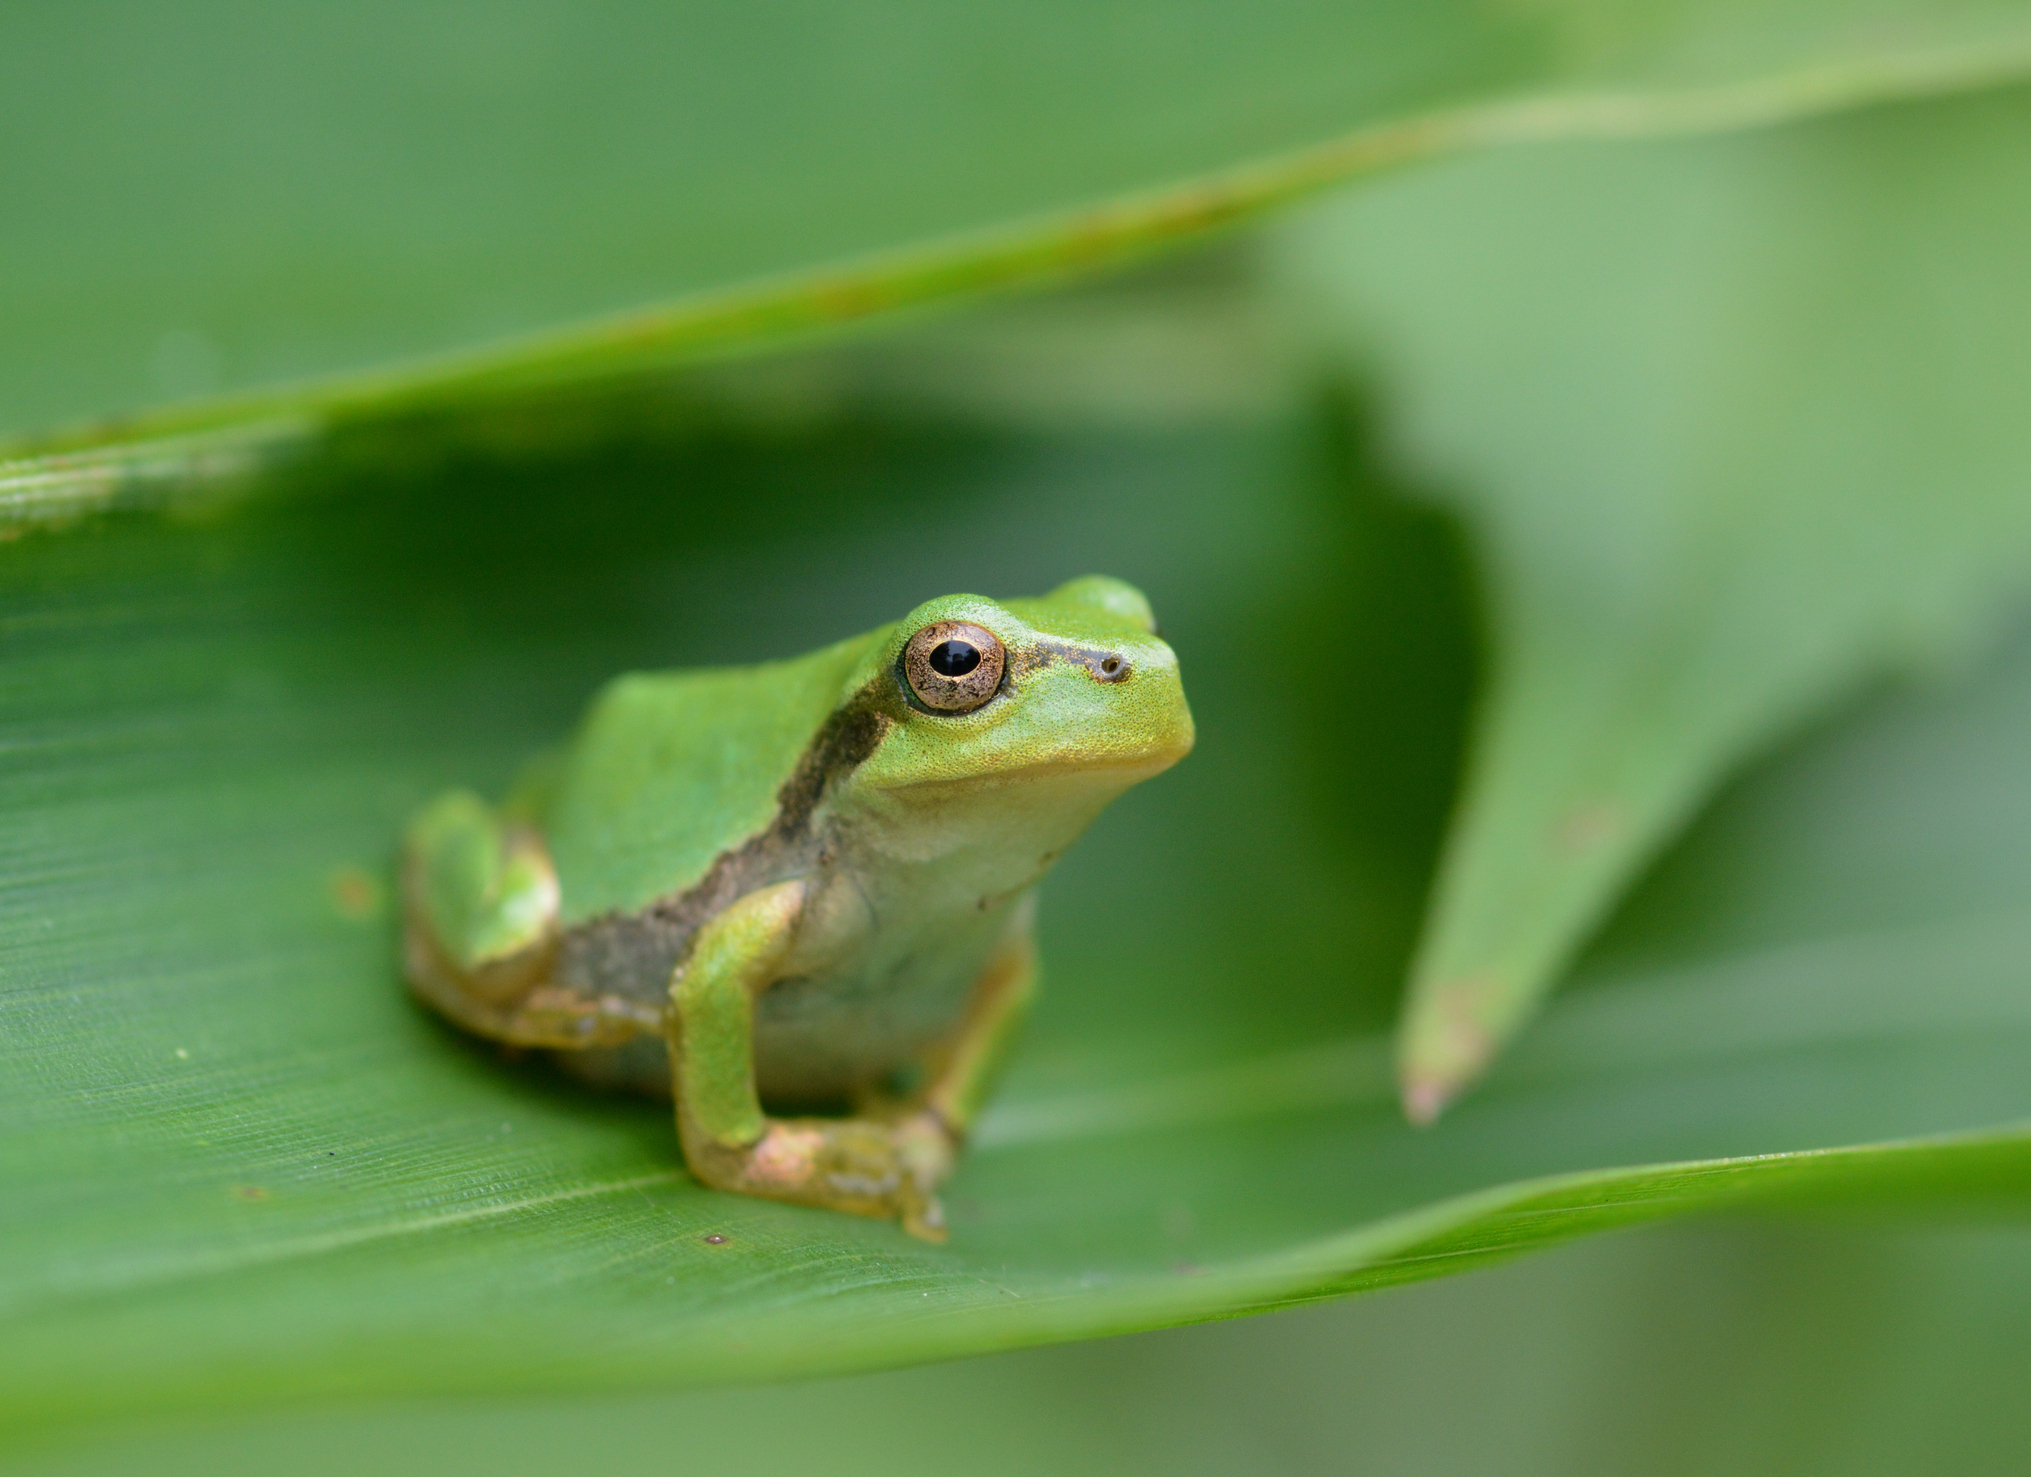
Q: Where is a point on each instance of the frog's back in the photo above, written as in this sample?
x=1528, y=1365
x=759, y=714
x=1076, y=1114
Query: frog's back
x=671, y=769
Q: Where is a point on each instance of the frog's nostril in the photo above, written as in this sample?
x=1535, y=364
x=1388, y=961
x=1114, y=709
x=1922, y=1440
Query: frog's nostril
x=1111, y=667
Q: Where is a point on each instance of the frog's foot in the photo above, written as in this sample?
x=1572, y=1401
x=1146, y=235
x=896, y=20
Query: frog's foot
x=480, y=904
x=886, y=1168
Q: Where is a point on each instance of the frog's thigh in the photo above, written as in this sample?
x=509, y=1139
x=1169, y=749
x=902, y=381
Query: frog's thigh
x=962, y=1072
x=481, y=901
x=869, y=1166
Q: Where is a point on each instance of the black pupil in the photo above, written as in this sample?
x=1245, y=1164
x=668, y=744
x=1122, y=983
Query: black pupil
x=954, y=658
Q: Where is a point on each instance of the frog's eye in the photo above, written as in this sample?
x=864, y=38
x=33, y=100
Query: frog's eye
x=953, y=666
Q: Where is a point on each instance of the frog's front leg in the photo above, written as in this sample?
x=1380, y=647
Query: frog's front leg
x=866, y=1165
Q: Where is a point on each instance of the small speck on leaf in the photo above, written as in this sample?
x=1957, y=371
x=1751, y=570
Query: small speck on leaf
x=356, y=893
x=714, y=1239
x=1591, y=825
x=250, y=1192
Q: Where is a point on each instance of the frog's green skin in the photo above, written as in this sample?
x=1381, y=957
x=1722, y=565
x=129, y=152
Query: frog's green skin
x=796, y=883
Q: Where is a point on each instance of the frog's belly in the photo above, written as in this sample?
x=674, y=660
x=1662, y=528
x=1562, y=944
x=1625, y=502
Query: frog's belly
x=819, y=1038
x=879, y=1004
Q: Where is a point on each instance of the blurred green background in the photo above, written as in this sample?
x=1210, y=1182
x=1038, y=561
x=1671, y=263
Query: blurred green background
x=1600, y=561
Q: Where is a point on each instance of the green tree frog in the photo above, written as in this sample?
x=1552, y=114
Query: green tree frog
x=798, y=896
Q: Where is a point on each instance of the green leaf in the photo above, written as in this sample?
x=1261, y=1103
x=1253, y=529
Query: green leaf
x=289, y=214
x=1738, y=424
x=238, y=1165
x=1839, y=1347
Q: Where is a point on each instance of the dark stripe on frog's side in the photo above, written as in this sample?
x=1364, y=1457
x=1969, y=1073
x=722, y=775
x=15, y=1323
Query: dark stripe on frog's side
x=634, y=954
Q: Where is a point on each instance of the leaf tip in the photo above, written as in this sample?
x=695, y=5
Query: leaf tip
x=1424, y=1098
x=1444, y=1044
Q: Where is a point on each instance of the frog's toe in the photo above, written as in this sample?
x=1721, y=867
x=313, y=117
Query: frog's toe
x=925, y=1220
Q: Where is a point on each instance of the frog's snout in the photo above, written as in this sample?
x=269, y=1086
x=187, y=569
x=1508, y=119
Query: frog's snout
x=1101, y=663
x=1150, y=709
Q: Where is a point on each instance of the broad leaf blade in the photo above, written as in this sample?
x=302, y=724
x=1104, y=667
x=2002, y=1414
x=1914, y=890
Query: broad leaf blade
x=1737, y=424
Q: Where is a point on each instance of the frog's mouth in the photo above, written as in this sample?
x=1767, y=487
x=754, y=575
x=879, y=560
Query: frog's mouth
x=1119, y=770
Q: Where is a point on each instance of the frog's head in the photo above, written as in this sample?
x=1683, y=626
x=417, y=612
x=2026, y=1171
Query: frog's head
x=1047, y=707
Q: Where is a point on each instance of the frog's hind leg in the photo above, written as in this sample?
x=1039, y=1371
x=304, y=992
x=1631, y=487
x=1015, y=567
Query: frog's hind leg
x=480, y=903
x=876, y=1164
